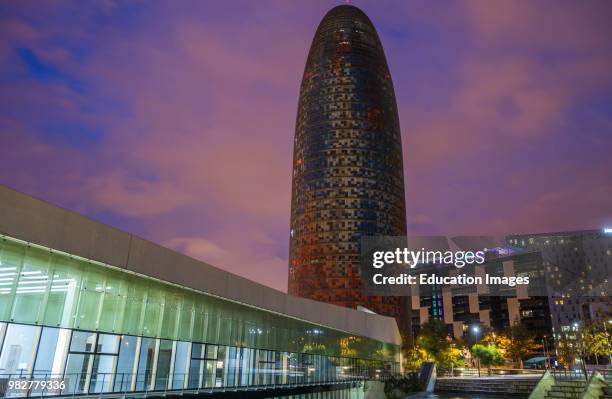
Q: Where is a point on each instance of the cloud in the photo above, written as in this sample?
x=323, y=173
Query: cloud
x=246, y=259
x=134, y=197
x=177, y=123
x=541, y=25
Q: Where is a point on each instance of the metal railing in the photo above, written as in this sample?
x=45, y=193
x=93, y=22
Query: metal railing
x=468, y=371
x=122, y=384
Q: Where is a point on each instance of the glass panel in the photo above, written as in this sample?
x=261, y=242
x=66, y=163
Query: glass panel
x=111, y=305
x=77, y=372
x=198, y=351
x=108, y=343
x=211, y=351
x=63, y=342
x=64, y=292
x=102, y=373
x=50, y=358
x=212, y=328
x=231, y=366
x=180, y=364
x=196, y=365
x=145, y=364
x=31, y=287
x=152, y=313
x=11, y=258
x=221, y=362
x=284, y=367
x=225, y=330
x=209, y=374
x=198, y=323
x=245, y=367
x=134, y=307
x=185, y=316
x=46, y=352
x=163, y=364
x=293, y=368
x=125, y=365
x=170, y=313
x=18, y=349
x=91, y=296
x=83, y=341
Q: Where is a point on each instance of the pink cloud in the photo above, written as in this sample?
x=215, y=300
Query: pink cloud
x=546, y=25
x=197, y=118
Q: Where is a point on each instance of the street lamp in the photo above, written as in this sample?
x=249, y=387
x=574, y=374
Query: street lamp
x=476, y=330
x=581, y=349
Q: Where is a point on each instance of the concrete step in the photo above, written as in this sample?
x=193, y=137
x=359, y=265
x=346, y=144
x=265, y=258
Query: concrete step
x=559, y=395
x=500, y=386
x=566, y=389
x=570, y=383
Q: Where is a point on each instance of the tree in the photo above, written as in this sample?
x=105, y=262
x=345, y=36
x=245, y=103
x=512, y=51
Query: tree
x=451, y=357
x=488, y=355
x=595, y=340
x=434, y=337
x=414, y=358
x=573, y=346
x=435, y=344
x=567, y=351
x=499, y=340
x=598, y=345
x=521, y=343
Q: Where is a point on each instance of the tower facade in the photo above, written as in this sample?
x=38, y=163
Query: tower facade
x=347, y=162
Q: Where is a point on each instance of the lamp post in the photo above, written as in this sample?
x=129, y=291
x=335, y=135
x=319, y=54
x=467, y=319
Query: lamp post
x=476, y=331
x=581, y=349
x=452, y=361
x=547, y=359
x=608, y=342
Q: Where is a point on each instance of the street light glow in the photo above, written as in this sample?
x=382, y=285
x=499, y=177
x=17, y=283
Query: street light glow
x=607, y=230
x=476, y=329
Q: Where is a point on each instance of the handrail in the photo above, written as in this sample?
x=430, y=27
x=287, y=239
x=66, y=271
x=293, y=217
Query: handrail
x=594, y=386
x=77, y=384
x=458, y=371
x=570, y=374
x=543, y=385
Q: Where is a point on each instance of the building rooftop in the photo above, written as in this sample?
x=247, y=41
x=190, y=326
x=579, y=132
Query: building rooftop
x=39, y=222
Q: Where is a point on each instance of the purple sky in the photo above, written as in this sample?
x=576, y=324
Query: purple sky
x=175, y=120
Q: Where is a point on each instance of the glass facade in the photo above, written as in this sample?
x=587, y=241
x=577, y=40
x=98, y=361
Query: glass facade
x=347, y=163
x=103, y=329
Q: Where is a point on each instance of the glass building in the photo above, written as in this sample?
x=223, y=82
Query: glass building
x=347, y=162
x=99, y=327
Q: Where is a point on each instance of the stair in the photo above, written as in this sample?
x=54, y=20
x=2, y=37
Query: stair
x=514, y=387
x=607, y=392
x=566, y=389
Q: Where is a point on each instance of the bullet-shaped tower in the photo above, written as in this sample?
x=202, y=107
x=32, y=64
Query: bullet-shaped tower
x=347, y=162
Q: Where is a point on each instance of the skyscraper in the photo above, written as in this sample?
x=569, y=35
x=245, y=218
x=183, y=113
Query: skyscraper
x=347, y=163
